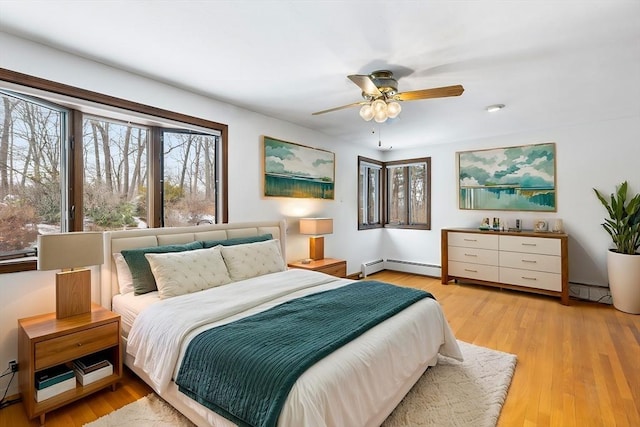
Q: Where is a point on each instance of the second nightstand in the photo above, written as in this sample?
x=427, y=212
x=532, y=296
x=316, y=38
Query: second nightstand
x=334, y=267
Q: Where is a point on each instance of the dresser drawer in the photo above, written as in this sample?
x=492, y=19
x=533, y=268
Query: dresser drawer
x=487, y=273
x=531, y=279
x=534, y=245
x=67, y=347
x=473, y=240
x=537, y=262
x=473, y=255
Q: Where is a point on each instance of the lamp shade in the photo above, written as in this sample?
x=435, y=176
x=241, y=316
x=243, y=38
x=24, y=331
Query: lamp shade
x=316, y=226
x=70, y=250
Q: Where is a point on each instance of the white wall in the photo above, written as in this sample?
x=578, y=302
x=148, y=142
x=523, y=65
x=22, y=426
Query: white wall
x=599, y=154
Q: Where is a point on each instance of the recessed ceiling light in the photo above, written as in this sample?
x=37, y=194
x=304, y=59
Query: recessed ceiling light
x=495, y=107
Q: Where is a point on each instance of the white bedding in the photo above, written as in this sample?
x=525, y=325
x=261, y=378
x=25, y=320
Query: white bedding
x=397, y=347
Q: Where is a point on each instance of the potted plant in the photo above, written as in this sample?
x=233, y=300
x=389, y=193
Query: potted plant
x=623, y=261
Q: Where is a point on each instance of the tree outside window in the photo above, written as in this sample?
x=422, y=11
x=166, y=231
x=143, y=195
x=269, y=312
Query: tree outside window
x=190, y=183
x=115, y=175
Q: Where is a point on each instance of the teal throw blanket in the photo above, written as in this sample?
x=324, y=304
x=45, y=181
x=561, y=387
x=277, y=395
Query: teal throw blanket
x=244, y=370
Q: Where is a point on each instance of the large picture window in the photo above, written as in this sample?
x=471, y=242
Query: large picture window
x=401, y=190
x=74, y=160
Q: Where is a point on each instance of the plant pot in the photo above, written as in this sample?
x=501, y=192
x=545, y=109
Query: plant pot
x=624, y=281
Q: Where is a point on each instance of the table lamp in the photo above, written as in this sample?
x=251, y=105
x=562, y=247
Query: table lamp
x=71, y=252
x=316, y=227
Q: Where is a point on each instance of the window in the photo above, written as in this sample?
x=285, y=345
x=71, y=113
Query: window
x=32, y=136
x=409, y=193
x=406, y=189
x=189, y=188
x=85, y=161
x=115, y=175
x=369, y=204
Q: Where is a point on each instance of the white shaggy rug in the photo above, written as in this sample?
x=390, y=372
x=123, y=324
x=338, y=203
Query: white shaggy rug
x=469, y=393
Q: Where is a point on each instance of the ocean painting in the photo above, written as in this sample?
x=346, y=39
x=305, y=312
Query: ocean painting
x=293, y=170
x=519, y=178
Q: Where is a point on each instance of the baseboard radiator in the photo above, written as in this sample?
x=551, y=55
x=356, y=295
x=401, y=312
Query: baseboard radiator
x=371, y=267
x=413, y=267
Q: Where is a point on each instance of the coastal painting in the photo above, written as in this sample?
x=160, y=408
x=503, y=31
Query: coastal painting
x=521, y=178
x=294, y=170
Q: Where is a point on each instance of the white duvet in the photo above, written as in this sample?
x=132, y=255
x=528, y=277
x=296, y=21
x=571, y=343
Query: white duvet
x=344, y=388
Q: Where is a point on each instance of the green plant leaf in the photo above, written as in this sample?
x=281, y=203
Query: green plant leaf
x=623, y=224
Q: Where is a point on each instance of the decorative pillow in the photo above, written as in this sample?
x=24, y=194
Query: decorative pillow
x=180, y=273
x=143, y=281
x=253, y=259
x=125, y=281
x=237, y=240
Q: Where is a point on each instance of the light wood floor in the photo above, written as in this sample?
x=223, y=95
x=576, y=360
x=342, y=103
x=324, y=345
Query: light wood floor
x=577, y=365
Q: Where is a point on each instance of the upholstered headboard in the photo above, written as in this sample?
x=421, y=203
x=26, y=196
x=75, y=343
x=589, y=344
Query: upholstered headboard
x=116, y=241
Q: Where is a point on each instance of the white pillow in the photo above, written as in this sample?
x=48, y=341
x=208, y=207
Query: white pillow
x=253, y=259
x=179, y=273
x=125, y=281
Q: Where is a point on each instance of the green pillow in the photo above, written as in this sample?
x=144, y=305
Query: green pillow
x=237, y=240
x=143, y=280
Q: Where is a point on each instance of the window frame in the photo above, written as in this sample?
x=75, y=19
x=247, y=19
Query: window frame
x=74, y=190
x=384, y=197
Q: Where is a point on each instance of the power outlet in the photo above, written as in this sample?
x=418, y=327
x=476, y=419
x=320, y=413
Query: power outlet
x=13, y=366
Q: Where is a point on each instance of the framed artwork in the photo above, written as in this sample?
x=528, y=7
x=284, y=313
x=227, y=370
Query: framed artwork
x=521, y=178
x=294, y=170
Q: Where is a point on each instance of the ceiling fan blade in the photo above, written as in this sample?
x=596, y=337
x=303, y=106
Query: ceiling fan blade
x=365, y=83
x=339, y=108
x=437, y=92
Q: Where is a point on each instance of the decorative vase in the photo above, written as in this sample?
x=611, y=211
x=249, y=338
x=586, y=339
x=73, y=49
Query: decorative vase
x=624, y=281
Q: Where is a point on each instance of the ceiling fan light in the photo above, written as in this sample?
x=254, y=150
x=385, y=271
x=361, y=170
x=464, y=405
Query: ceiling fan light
x=366, y=112
x=379, y=105
x=381, y=116
x=393, y=109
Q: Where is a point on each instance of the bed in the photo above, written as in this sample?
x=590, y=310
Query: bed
x=358, y=384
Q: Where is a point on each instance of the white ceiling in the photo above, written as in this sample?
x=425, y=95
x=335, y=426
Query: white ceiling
x=553, y=63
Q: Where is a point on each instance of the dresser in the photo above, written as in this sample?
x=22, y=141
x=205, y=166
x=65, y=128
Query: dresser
x=526, y=261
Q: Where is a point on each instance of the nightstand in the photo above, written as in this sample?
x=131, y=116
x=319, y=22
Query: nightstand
x=334, y=267
x=44, y=341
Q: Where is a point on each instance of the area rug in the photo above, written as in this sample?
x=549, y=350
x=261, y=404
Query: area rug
x=469, y=393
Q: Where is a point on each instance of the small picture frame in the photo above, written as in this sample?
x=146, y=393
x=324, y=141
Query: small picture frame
x=540, y=225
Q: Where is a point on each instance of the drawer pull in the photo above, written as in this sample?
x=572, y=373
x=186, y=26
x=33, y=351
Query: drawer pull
x=474, y=255
x=471, y=271
x=528, y=278
x=470, y=240
x=79, y=344
x=531, y=261
x=529, y=244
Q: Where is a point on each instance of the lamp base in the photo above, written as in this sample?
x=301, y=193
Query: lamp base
x=73, y=293
x=316, y=248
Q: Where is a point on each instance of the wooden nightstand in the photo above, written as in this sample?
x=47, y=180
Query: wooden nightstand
x=44, y=341
x=335, y=267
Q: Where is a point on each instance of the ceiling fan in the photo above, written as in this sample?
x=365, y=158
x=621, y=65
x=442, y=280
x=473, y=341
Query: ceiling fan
x=380, y=93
